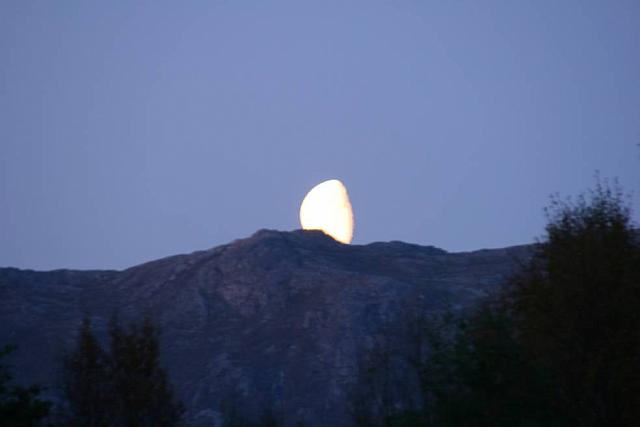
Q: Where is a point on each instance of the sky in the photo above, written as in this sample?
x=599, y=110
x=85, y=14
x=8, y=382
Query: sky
x=131, y=131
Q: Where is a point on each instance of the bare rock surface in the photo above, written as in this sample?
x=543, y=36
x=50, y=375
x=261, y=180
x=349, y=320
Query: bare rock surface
x=277, y=319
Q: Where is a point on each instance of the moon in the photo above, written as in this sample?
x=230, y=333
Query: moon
x=327, y=207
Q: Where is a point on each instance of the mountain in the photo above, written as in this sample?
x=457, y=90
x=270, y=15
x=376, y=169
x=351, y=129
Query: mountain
x=274, y=320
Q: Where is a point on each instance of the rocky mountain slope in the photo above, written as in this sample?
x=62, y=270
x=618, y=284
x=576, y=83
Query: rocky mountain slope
x=277, y=319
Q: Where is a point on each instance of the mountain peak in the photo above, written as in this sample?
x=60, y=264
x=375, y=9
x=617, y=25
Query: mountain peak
x=298, y=237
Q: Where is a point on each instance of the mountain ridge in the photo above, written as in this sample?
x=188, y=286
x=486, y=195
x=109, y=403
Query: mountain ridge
x=399, y=243
x=276, y=319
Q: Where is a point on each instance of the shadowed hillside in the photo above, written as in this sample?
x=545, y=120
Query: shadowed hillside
x=275, y=320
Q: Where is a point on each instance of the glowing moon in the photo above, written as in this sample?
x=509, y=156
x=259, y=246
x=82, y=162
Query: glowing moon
x=327, y=207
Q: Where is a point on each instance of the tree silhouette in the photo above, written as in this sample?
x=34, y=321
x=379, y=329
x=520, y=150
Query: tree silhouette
x=87, y=381
x=559, y=345
x=19, y=406
x=577, y=308
x=124, y=387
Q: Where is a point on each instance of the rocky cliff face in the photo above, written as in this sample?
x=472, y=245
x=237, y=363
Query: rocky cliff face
x=275, y=320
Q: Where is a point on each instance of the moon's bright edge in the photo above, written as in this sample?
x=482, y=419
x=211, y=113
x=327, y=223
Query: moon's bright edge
x=327, y=207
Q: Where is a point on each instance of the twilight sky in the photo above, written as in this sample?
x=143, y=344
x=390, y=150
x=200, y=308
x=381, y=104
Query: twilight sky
x=135, y=130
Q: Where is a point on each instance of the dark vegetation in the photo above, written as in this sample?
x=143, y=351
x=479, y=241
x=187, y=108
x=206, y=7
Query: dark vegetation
x=19, y=406
x=122, y=387
x=558, y=345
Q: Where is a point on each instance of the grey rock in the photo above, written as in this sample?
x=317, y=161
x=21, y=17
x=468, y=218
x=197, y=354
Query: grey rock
x=277, y=319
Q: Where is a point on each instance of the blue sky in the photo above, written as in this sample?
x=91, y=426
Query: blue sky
x=135, y=130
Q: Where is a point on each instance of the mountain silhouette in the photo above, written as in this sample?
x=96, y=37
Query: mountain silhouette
x=275, y=320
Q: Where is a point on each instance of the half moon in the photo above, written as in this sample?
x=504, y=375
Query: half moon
x=327, y=207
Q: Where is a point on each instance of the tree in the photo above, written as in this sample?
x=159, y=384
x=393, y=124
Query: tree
x=144, y=396
x=559, y=345
x=87, y=381
x=124, y=387
x=478, y=374
x=19, y=406
x=576, y=308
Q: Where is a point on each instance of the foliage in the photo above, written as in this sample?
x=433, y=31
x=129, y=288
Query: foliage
x=483, y=377
x=576, y=307
x=19, y=406
x=87, y=382
x=559, y=345
x=124, y=387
